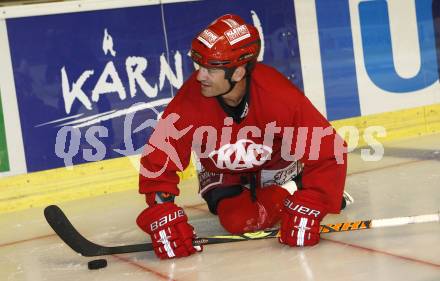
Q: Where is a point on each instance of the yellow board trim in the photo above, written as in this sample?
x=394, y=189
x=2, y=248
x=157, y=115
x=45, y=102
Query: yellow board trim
x=400, y=124
x=115, y=175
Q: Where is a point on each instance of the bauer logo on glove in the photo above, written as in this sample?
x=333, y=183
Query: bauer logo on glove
x=166, y=219
x=300, y=208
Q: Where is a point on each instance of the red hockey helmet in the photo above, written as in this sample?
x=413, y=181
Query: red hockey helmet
x=227, y=42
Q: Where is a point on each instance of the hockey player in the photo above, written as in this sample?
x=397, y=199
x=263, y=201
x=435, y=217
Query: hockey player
x=257, y=138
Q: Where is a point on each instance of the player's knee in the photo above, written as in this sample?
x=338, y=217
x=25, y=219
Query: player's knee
x=238, y=214
x=236, y=223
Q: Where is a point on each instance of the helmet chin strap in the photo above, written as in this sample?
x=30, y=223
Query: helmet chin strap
x=230, y=71
x=231, y=86
x=228, y=76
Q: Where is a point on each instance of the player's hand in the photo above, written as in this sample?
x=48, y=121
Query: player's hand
x=300, y=222
x=171, y=234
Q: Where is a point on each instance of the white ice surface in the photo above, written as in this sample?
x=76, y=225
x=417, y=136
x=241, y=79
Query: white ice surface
x=406, y=182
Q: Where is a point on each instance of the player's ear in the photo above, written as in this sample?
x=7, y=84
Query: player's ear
x=239, y=73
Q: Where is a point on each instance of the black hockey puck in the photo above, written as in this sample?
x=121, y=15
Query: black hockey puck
x=97, y=264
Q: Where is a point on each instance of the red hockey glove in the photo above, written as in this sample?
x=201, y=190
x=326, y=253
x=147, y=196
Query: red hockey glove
x=170, y=232
x=300, y=222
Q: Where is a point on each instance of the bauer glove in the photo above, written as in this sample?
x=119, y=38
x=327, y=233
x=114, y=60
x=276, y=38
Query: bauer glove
x=300, y=222
x=171, y=234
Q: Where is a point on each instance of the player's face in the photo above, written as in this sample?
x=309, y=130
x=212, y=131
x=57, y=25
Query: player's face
x=212, y=81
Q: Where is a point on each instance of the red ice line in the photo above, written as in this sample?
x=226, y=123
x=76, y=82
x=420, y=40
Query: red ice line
x=383, y=252
x=144, y=268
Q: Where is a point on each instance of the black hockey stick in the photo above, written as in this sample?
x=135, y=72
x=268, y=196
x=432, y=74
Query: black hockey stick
x=67, y=232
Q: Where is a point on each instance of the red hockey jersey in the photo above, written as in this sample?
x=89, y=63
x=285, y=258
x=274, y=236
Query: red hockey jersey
x=281, y=127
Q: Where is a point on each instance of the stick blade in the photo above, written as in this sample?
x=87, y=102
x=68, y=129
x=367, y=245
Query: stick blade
x=65, y=230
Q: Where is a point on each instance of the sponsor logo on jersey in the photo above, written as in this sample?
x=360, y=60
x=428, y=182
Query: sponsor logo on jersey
x=244, y=154
x=287, y=174
x=237, y=34
x=208, y=179
x=208, y=37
